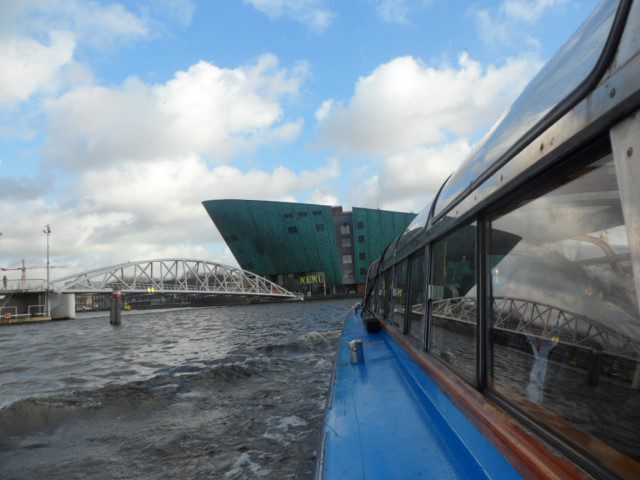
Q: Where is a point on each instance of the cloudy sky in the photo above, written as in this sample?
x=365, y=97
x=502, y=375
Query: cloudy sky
x=118, y=118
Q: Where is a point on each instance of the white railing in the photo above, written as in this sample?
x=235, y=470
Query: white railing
x=32, y=284
x=7, y=313
x=11, y=313
x=36, y=311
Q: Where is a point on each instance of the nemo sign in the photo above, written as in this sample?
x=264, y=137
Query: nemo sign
x=311, y=279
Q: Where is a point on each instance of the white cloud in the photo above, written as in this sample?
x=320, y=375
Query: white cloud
x=323, y=197
x=29, y=66
x=393, y=10
x=182, y=10
x=323, y=111
x=405, y=104
x=398, y=11
x=407, y=180
x=420, y=171
x=417, y=123
x=134, y=162
x=312, y=13
x=203, y=110
x=142, y=210
x=93, y=23
x=529, y=10
x=506, y=26
x=39, y=38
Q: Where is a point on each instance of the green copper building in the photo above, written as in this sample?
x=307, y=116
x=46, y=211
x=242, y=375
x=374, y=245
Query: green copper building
x=306, y=247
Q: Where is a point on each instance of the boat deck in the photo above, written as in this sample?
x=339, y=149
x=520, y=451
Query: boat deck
x=388, y=420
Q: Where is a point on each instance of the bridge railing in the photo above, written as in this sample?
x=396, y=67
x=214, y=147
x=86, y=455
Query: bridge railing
x=32, y=284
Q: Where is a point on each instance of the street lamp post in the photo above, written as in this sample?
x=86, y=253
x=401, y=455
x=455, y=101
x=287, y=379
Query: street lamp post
x=47, y=232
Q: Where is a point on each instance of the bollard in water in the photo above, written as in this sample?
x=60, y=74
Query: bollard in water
x=116, y=307
x=357, y=354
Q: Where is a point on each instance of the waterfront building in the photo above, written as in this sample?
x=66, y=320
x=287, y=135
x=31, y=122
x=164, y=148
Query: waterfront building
x=306, y=247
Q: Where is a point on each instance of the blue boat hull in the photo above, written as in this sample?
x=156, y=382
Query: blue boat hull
x=388, y=420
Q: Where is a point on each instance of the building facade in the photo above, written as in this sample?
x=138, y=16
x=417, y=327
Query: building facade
x=306, y=247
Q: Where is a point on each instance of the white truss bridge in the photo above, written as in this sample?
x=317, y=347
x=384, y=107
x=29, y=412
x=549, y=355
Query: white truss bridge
x=172, y=275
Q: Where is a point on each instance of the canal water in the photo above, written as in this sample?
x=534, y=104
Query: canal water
x=226, y=392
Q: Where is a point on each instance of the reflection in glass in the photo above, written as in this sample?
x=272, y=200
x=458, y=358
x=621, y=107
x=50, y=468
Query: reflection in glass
x=417, y=288
x=380, y=297
x=564, y=313
x=386, y=303
x=453, y=309
x=373, y=296
x=399, y=294
x=418, y=223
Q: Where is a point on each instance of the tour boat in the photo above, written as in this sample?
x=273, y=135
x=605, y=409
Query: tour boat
x=499, y=335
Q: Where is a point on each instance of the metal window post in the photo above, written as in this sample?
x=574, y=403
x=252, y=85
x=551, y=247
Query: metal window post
x=47, y=232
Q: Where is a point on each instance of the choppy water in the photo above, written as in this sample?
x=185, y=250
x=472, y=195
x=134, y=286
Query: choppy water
x=234, y=392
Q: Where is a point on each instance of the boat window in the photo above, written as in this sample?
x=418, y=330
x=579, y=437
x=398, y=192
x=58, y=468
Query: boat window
x=417, y=289
x=371, y=304
x=380, y=296
x=416, y=225
x=386, y=305
x=399, y=294
x=453, y=308
x=554, y=83
x=565, y=326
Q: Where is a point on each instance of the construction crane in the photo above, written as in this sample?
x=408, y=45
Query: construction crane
x=23, y=269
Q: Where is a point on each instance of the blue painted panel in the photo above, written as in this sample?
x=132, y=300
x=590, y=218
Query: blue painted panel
x=387, y=419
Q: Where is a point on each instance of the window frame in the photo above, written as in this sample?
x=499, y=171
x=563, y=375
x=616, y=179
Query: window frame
x=424, y=251
x=403, y=320
x=532, y=189
x=429, y=330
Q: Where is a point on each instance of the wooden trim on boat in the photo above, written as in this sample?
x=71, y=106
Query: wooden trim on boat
x=533, y=458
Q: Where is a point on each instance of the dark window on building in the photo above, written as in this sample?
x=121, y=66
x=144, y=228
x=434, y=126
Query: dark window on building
x=562, y=274
x=303, y=214
x=292, y=229
x=288, y=215
x=360, y=225
x=319, y=227
x=417, y=289
x=317, y=213
x=453, y=308
x=363, y=271
x=361, y=238
x=362, y=256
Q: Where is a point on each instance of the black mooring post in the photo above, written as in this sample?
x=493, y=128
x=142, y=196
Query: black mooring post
x=116, y=307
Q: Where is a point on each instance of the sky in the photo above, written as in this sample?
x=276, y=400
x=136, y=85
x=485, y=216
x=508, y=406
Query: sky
x=117, y=119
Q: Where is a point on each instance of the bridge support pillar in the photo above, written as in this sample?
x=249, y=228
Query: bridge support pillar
x=116, y=307
x=594, y=368
x=65, y=308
